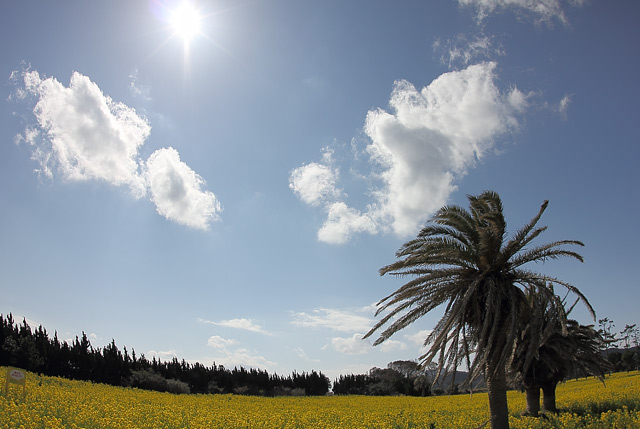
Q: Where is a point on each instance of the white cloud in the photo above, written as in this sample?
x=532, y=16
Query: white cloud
x=303, y=355
x=463, y=50
x=217, y=342
x=138, y=90
x=314, y=183
x=392, y=345
x=91, y=137
x=82, y=134
x=336, y=320
x=244, y=358
x=353, y=345
x=429, y=139
x=176, y=190
x=418, y=339
x=236, y=356
x=519, y=100
x=342, y=221
x=162, y=355
x=239, y=323
x=544, y=10
x=563, y=106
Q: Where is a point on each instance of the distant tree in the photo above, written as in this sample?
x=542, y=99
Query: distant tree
x=387, y=382
x=626, y=335
x=635, y=336
x=462, y=260
x=408, y=368
x=606, y=332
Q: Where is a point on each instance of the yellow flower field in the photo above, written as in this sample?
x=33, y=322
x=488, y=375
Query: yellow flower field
x=51, y=402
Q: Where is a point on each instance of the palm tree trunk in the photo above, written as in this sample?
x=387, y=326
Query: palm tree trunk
x=549, y=397
x=497, y=387
x=533, y=400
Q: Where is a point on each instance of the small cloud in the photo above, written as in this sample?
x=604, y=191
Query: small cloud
x=138, y=90
x=162, y=355
x=314, y=183
x=419, y=338
x=392, y=345
x=303, y=355
x=240, y=323
x=231, y=356
x=336, y=320
x=353, y=345
x=218, y=342
x=342, y=222
x=177, y=192
x=463, y=50
x=518, y=99
x=244, y=358
x=563, y=106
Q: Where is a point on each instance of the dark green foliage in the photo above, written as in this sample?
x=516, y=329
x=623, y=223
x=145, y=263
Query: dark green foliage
x=36, y=352
x=149, y=380
x=623, y=360
x=399, y=378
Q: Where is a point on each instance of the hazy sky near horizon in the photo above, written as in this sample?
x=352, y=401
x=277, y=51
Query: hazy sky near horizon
x=230, y=196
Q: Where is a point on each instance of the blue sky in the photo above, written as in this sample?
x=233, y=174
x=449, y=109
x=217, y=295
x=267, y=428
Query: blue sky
x=231, y=197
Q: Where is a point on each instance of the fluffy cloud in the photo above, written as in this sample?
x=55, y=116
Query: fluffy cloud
x=230, y=355
x=218, y=342
x=82, y=134
x=418, y=338
x=392, y=345
x=90, y=137
x=545, y=10
x=176, y=190
x=336, y=320
x=427, y=140
x=314, y=183
x=342, y=222
x=162, y=355
x=244, y=358
x=353, y=345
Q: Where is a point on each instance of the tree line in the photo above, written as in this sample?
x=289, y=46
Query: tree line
x=35, y=351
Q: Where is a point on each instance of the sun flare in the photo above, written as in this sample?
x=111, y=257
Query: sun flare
x=185, y=21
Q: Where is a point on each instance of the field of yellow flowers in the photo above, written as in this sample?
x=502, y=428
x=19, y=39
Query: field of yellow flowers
x=50, y=402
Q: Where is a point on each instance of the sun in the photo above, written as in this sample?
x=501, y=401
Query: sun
x=185, y=21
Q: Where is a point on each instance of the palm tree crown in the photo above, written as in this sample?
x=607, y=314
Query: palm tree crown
x=461, y=259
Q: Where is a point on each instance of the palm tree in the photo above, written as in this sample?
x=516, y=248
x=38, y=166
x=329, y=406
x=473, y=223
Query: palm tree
x=578, y=354
x=461, y=259
x=565, y=348
x=541, y=319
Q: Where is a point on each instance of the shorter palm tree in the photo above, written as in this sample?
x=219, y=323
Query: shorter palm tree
x=567, y=348
x=578, y=355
